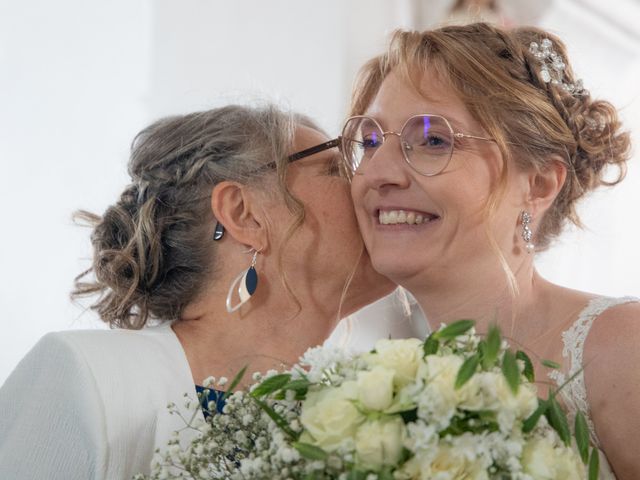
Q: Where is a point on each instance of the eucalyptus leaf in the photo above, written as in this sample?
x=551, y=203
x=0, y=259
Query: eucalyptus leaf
x=431, y=345
x=311, y=452
x=511, y=371
x=551, y=364
x=492, y=347
x=271, y=384
x=467, y=370
x=558, y=420
x=234, y=383
x=528, y=366
x=454, y=330
x=582, y=437
x=530, y=423
x=594, y=464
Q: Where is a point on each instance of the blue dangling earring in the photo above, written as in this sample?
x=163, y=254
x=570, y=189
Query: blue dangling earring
x=247, y=283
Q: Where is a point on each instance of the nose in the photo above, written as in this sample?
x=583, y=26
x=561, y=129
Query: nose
x=387, y=168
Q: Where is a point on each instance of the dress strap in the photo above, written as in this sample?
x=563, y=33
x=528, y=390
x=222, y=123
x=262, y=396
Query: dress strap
x=574, y=338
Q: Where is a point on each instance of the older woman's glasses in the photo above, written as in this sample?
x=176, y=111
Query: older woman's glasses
x=426, y=141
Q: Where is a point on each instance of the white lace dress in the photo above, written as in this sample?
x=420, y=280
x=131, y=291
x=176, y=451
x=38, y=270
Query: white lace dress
x=574, y=393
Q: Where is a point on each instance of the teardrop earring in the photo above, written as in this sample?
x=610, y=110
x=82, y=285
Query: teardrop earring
x=246, y=283
x=527, y=234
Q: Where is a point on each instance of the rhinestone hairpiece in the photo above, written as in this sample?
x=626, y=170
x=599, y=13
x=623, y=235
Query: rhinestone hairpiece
x=552, y=67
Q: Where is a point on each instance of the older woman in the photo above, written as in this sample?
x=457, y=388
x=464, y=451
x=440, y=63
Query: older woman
x=221, y=240
x=469, y=148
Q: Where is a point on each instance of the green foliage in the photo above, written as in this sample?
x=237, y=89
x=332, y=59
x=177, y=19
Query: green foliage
x=454, y=330
x=550, y=364
x=490, y=347
x=558, y=419
x=530, y=423
x=234, y=383
x=594, y=464
x=271, y=384
x=467, y=370
x=277, y=418
x=310, y=451
x=528, y=366
x=511, y=371
x=582, y=437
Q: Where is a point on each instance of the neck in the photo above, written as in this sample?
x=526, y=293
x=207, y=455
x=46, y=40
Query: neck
x=488, y=298
x=269, y=331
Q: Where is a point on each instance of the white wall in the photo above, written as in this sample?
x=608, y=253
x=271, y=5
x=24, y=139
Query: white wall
x=78, y=79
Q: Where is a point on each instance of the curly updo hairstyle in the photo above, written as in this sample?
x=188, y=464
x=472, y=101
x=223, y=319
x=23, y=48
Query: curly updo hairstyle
x=499, y=80
x=153, y=249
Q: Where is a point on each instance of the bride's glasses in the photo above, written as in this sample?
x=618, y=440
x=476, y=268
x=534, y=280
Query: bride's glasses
x=426, y=141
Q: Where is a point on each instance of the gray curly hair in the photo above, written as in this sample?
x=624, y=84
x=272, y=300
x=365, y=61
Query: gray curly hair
x=153, y=252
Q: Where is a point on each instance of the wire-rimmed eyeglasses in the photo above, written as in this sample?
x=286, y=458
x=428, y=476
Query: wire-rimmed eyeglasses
x=426, y=140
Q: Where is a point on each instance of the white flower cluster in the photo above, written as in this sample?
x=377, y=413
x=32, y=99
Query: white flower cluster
x=452, y=407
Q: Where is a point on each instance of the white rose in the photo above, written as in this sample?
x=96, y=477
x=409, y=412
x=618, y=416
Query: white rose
x=499, y=395
x=375, y=388
x=569, y=465
x=538, y=459
x=380, y=442
x=444, y=463
x=330, y=416
x=400, y=355
x=440, y=373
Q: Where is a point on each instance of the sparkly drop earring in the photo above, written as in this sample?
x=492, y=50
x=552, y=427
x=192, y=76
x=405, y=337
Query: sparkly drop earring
x=527, y=234
x=246, y=283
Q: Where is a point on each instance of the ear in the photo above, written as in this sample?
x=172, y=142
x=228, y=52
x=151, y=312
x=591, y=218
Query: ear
x=235, y=206
x=545, y=185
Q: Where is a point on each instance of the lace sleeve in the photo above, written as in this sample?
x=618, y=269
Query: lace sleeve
x=574, y=393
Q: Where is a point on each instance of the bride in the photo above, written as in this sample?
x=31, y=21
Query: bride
x=469, y=148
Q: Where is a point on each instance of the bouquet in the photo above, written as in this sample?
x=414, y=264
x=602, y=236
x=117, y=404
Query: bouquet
x=455, y=406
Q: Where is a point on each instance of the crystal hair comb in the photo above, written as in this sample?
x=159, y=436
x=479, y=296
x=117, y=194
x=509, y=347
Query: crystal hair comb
x=552, y=67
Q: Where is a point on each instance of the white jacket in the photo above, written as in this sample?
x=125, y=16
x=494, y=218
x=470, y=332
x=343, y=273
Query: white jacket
x=92, y=404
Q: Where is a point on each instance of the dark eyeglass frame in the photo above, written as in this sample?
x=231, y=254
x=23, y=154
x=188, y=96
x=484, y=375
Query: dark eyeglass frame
x=307, y=152
x=404, y=144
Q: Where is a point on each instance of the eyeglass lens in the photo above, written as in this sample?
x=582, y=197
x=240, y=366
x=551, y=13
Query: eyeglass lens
x=426, y=142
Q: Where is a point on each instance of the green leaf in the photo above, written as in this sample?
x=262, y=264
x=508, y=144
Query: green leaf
x=582, y=437
x=551, y=364
x=530, y=423
x=271, y=384
x=356, y=475
x=454, y=330
x=385, y=474
x=528, y=366
x=277, y=418
x=467, y=369
x=558, y=420
x=594, y=464
x=511, y=371
x=431, y=345
x=492, y=348
x=234, y=383
x=300, y=386
x=309, y=451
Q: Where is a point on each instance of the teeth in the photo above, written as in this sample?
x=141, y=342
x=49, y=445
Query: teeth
x=393, y=217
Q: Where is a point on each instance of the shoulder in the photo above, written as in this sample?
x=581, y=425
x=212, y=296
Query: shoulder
x=118, y=345
x=615, y=327
x=612, y=381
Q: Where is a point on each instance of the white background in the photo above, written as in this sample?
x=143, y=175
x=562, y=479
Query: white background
x=79, y=78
